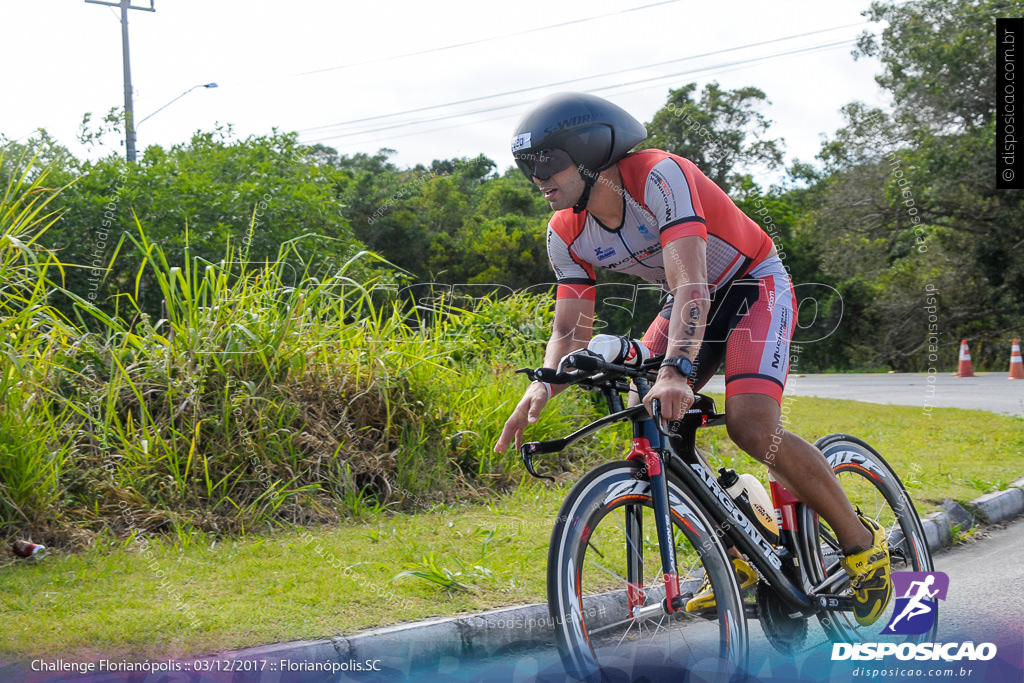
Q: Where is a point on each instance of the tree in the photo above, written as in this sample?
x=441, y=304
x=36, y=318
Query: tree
x=907, y=198
x=254, y=194
x=722, y=133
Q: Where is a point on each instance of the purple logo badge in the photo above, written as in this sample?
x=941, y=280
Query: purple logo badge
x=914, y=612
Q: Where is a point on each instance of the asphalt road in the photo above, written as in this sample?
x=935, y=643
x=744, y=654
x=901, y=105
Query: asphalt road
x=987, y=391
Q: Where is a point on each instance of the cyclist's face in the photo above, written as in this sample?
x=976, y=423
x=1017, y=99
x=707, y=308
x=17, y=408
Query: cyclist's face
x=563, y=189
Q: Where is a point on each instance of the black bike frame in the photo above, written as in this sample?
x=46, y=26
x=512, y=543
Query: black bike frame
x=776, y=564
x=783, y=567
x=651, y=446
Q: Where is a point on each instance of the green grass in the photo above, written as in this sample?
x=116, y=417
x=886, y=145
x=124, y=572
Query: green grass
x=470, y=557
x=278, y=587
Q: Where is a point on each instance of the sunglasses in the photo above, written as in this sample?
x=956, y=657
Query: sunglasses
x=544, y=163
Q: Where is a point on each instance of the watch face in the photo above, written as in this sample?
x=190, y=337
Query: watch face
x=683, y=365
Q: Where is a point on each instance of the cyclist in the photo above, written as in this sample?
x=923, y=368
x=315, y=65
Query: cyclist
x=655, y=215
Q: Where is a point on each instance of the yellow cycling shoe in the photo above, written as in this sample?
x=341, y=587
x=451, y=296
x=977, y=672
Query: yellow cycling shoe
x=705, y=596
x=869, y=575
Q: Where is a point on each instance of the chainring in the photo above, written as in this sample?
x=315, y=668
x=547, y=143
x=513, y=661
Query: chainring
x=786, y=634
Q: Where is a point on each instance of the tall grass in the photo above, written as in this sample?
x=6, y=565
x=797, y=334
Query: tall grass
x=32, y=457
x=253, y=401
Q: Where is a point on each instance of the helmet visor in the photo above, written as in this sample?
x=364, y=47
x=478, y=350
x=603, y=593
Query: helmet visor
x=544, y=163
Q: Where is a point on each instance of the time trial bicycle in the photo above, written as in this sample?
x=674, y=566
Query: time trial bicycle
x=617, y=594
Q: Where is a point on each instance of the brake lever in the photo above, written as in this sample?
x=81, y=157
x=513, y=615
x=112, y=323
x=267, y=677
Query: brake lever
x=529, y=372
x=526, y=451
x=548, y=375
x=657, y=417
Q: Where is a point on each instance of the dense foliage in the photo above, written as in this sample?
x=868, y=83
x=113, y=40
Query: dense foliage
x=360, y=317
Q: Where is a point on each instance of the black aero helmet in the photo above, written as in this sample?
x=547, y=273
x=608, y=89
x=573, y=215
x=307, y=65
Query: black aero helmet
x=593, y=131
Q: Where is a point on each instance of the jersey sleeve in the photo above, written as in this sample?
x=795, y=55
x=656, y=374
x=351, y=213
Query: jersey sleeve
x=576, y=279
x=672, y=198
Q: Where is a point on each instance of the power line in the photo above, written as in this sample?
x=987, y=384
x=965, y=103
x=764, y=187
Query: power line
x=752, y=60
x=459, y=45
x=549, y=85
x=486, y=40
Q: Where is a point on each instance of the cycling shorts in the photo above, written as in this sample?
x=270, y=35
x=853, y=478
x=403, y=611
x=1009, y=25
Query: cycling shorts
x=750, y=326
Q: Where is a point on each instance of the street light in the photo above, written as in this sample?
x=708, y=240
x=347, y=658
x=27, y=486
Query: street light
x=207, y=85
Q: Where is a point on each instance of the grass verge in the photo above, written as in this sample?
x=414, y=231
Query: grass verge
x=300, y=584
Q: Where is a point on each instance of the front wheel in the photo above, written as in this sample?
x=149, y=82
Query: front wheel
x=603, y=562
x=871, y=485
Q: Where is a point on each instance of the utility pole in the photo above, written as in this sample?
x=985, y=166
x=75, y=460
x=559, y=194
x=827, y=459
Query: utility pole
x=129, y=113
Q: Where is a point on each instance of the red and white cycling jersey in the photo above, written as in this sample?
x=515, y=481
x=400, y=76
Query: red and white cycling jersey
x=666, y=197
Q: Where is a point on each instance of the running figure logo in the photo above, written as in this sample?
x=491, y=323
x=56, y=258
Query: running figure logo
x=914, y=613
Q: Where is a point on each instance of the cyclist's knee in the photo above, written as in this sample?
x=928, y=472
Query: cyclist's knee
x=756, y=438
x=753, y=424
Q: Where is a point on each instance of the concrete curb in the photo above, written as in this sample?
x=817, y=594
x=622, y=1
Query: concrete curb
x=993, y=508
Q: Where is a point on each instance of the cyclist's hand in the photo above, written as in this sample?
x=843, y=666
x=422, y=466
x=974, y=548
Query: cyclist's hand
x=674, y=393
x=526, y=413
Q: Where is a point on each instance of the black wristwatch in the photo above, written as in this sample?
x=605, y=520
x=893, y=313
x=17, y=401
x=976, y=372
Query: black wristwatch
x=683, y=365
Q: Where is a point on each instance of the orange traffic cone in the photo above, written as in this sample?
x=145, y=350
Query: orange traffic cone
x=966, y=369
x=1016, y=364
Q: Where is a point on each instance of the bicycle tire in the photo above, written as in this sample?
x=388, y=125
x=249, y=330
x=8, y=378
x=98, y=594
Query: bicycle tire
x=871, y=484
x=588, y=588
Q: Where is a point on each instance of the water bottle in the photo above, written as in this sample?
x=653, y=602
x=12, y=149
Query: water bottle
x=750, y=496
x=620, y=350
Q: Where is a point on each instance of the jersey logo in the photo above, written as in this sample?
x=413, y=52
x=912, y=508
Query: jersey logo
x=644, y=231
x=603, y=253
x=782, y=337
x=520, y=141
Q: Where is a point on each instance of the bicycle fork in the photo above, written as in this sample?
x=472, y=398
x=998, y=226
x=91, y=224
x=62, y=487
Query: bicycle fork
x=646, y=440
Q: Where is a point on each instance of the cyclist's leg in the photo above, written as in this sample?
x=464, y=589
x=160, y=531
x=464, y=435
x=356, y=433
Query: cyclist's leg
x=796, y=464
x=756, y=367
x=757, y=363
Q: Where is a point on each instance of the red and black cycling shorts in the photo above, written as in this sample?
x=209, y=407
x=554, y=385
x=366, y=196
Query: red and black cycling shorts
x=750, y=327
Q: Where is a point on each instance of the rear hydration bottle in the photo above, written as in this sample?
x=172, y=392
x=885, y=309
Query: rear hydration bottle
x=750, y=496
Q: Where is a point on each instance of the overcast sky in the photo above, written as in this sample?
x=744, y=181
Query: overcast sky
x=315, y=66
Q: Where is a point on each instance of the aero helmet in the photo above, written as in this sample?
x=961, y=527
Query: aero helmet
x=591, y=130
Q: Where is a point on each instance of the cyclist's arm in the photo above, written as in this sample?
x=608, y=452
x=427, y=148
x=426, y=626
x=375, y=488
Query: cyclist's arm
x=571, y=330
x=672, y=197
x=686, y=270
